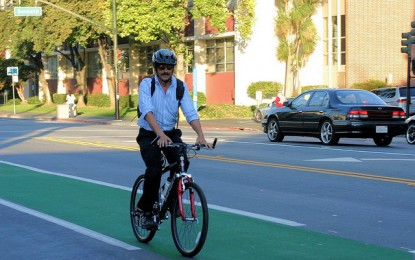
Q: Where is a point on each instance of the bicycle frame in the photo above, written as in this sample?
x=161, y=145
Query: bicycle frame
x=183, y=198
x=179, y=178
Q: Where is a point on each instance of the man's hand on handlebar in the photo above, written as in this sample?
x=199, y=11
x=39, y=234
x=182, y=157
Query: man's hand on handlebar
x=202, y=141
x=163, y=140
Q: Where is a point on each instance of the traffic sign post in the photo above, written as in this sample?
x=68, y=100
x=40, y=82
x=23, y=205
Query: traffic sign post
x=12, y=71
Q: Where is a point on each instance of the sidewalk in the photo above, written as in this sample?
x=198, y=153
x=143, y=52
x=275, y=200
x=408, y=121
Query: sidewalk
x=243, y=124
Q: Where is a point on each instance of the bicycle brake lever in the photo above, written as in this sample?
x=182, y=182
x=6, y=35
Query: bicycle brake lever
x=155, y=140
x=214, y=143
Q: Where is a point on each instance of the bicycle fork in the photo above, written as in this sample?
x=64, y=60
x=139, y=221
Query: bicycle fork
x=180, y=190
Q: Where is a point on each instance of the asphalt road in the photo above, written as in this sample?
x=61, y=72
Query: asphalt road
x=354, y=199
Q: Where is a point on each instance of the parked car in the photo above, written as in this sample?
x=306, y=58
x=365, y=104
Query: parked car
x=396, y=96
x=331, y=114
x=410, y=132
x=260, y=112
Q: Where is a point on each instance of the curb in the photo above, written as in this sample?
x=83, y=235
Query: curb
x=99, y=121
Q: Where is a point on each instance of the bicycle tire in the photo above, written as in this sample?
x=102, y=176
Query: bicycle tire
x=189, y=235
x=142, y=235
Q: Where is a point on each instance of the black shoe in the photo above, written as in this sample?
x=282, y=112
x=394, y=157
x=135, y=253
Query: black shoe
x=147, y=222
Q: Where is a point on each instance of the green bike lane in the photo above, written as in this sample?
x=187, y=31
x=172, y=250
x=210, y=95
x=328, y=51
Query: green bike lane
x=105, y=210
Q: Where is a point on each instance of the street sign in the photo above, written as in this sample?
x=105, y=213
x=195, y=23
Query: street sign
x=28, y=11
x=15, y=79
x=12, y=71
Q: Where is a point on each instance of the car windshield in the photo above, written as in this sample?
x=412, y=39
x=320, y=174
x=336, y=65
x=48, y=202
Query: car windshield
x=353, y=97
x=402, y=92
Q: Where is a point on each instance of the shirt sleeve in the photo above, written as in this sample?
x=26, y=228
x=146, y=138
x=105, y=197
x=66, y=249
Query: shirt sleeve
x=187, y=106
x=144, y=97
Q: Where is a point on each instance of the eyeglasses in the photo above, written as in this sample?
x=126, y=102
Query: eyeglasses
x=165, y=67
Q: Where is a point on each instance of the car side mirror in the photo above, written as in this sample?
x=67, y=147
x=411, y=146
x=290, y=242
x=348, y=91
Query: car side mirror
x=286, y=104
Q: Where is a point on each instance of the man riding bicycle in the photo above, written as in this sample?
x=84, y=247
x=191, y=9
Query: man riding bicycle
x=159, y=110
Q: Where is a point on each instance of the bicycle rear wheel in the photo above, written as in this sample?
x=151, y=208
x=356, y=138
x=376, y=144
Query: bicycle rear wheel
x=143, y=235
x=189, y=235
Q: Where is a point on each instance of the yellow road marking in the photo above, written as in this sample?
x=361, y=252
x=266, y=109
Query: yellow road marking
x=248, y=162
x=96, y=144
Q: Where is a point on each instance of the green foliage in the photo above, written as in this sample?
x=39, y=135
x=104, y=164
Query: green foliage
x=370, y=84
x=24, y=71
x=59, y=98
x=165, y=20
x=98, y=100
x=269, y=89
x=297, y=35
x=128, y=101
x=245, y=18
x=14, y=101
x=34, y=100
x=201, y=98
x=311, y=87
x=225, y=111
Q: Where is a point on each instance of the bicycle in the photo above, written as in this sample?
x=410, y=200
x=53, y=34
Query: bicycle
x=184, y=199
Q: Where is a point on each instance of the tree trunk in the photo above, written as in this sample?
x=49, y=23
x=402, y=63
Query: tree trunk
x=289, y=86
x=102, y=50
x=45, y=87
x=19, y=89
x=80, y=80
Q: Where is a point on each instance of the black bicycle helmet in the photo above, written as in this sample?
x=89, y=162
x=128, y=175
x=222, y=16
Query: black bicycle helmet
x=164, y=56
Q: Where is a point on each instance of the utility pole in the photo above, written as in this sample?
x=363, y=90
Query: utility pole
x=408, y=47
x=115, y=45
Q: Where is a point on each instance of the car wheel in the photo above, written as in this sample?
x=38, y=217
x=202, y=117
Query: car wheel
x=383, y=141
x=258, y=116
x=327, y=135
x=410, y=133
x=273, y=131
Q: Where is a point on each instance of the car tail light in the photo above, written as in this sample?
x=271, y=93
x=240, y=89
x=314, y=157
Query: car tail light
x=401, y=101
x=398, y=114
x=357, y=113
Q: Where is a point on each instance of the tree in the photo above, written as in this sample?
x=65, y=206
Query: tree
x=297, y=37
x=165, y=20
x=245, y=19
x=29, y=37
x=25, y=72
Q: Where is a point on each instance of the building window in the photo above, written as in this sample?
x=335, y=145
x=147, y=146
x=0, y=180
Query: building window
x=336, y=28
x=94, y=65
x=189, y=57
x=53, y=67
x=220, y=55
x=145, y=62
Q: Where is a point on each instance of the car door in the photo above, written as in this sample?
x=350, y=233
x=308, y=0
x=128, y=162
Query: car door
x=314, y=111
x=291, y=118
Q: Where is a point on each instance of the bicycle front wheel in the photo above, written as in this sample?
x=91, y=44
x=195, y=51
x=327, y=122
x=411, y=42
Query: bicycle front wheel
x=189, y=234
x=142, y=235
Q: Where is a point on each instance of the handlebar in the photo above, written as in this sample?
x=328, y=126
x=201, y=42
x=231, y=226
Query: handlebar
x=196, y=147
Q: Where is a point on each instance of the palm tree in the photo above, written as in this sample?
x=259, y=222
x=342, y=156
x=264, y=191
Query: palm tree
x=297, y=37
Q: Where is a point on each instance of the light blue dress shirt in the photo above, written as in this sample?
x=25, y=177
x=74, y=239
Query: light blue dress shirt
x=164, y=105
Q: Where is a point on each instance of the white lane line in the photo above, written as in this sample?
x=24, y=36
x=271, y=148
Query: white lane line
x=216, y=207
x=257, y=216
x=339, y=159
x=320, y=148
x=69, y=225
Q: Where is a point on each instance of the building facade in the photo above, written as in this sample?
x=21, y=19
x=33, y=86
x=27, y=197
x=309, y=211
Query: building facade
x=358, y=41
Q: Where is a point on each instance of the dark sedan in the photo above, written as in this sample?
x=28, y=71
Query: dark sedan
x=410, y=133
x=331, y=114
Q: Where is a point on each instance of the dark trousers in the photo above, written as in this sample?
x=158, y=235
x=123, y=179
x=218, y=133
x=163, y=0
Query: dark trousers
x=151, y=155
